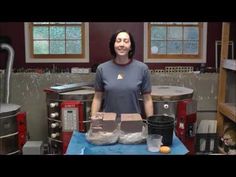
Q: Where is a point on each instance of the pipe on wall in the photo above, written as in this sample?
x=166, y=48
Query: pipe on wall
x=10, y=59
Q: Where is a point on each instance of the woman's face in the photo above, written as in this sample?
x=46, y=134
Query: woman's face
x=122, y=44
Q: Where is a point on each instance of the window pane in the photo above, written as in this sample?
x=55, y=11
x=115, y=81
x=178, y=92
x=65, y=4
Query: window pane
x=174, y=47
x=73, y=47
x=191, y=33
x=190, y=23
x=174, y=33
x=40, y=47
x=158, y=47
x=40, y=23
x=158, y=33
x=57, y=32
x=175, y=41
x=73, y=33
x=78, y=23
x=174, y=23
x=157, y=23
x=40, y=33
x=190, y=47
x=57, y=23
x=57, y=47
x=59, y=39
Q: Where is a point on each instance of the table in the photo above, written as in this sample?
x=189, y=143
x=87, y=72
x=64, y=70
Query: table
x=78, y=145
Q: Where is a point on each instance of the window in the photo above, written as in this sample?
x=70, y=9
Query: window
x=57, y=42
x=175, y=42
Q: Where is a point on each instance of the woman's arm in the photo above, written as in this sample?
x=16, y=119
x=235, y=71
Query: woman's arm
x=97, y=102
x=148, y=104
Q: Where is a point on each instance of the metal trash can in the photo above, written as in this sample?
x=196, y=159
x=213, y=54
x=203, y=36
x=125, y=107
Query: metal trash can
x=8, y=129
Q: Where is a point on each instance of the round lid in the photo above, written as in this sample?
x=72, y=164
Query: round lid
x=166, y=92
x=79, y=92
x=160, y=119
x=85, y=94
x=8, y=109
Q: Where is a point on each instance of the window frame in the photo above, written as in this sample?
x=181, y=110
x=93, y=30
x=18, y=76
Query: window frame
x=64, y=58
x=175, y=58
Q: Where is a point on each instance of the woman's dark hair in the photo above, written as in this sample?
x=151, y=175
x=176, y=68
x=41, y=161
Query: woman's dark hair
x=113, y=40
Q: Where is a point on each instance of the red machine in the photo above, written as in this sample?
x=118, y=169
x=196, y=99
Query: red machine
x=72, y=116
x=185, y=125
x=68, y=106
x=22, y=129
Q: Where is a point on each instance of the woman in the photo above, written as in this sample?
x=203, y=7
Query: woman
x=122, y=80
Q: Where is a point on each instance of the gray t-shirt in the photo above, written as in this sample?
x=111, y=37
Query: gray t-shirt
x=122, y=85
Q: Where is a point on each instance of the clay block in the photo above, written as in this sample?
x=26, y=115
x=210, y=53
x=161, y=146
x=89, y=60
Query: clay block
x=109, y=116
x=131, y=126
x=131, y=117
x=96, y=121
x=131, y=123
x=96, y=129
x=99, y=115
x=109, y=122
x=109, y=126
x=104, y=121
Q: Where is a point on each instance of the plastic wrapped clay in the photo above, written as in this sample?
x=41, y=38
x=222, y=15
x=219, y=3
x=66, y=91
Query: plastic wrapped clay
x=131, y=123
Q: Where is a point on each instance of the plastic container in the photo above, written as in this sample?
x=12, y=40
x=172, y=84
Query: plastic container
x=154, y=142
